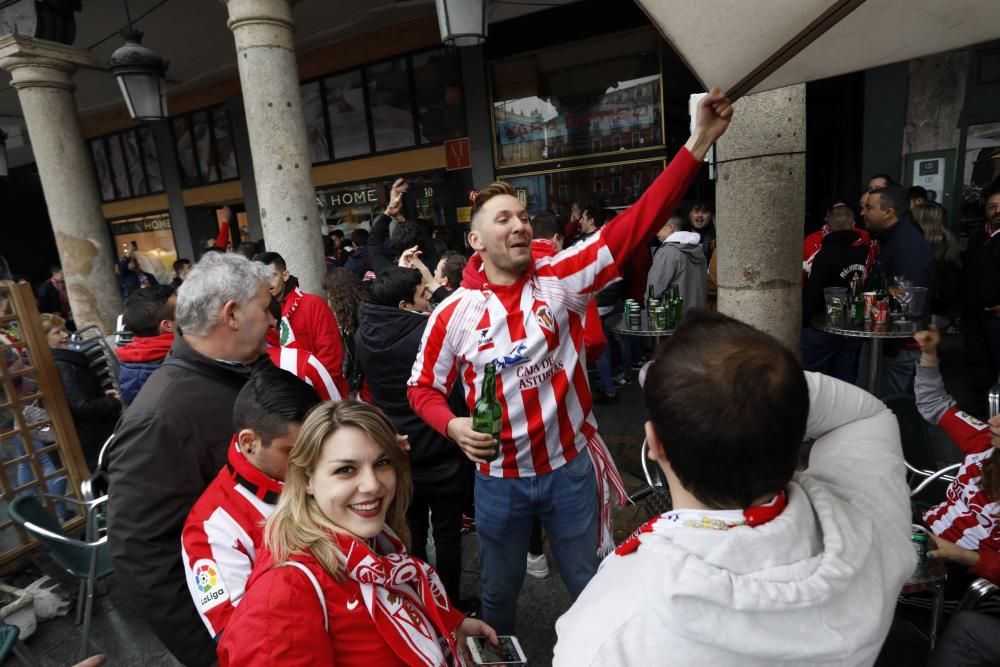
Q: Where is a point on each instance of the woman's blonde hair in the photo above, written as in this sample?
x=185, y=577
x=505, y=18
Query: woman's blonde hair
x=298, y=525
x=51, y=321
x=931, y=218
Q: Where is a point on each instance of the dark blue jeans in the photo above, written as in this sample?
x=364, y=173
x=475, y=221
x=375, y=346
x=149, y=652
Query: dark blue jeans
x=981, y=334
x=830, y=354
x=566, y=503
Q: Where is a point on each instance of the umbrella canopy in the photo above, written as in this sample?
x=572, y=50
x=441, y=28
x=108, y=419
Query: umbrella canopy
x=748, y=46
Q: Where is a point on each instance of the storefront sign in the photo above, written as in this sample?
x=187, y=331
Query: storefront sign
x=457, y=154
x=463, y=214
x=363, y=195
x=142, y=225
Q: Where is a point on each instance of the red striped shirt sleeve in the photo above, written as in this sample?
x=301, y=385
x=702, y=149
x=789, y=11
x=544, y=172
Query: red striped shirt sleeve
x=434, y=371
x=988, y=565
x=971, y=435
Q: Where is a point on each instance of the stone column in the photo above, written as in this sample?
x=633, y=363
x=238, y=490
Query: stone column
x=281, y=164
x=760, y=211
x=42, y=74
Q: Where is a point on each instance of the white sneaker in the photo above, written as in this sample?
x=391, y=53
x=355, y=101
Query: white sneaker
x=538, y=567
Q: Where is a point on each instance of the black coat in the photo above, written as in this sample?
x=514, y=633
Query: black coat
x=171, y=442
x=841, y=258
x=386, y=346
x=94, y=412
x=981, y=272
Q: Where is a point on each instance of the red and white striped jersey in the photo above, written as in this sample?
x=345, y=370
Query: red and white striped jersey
x=222, y=534
x=967, y=517
x=533, y=332
x=306, y=367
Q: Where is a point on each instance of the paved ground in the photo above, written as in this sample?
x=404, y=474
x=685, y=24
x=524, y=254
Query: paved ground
x=119, y=634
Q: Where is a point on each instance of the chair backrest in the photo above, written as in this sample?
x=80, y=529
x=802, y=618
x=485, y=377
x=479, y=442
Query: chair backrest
x=27, y=511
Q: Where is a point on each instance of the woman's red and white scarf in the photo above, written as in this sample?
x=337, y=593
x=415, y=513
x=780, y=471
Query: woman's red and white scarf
x=405, y=598
x=285, y=334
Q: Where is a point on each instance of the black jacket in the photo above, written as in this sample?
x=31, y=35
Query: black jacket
x=94, y=412
x=903, y=251
x=168, y=446
x=841, y=258
x=358, y=263
x=381, y=256
x=981, y=272
x=386, y=346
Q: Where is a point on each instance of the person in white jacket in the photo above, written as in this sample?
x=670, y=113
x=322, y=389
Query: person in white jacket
x=758, y=563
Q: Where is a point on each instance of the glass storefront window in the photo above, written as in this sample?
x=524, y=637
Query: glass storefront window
x=351, y=206
x=312, y=109
x=205, y=148
x=151, y=160
x=345, y=101
x=599, y=96
x=614, y=186
x=103, y=169
x=438, y=91
x=154, y=243
x=391, y=108
x=118, y=165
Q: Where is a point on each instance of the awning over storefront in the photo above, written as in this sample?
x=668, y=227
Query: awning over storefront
x=746, y=46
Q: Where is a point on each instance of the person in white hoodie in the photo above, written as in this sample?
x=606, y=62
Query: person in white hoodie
x=758, y=563
x=680, y=260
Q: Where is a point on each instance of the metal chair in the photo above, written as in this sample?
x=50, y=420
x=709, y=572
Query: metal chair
x=978, y=591
x=10, y=641
x=88, y=560
x=928, y=483
x=97, y=484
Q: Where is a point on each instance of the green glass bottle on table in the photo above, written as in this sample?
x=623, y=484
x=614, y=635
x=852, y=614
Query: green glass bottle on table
x=486, y=415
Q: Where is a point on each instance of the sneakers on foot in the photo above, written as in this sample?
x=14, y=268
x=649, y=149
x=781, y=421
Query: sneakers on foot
x=538, y=566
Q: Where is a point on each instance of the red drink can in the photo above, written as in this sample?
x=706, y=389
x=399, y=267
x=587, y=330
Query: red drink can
x=882, y=314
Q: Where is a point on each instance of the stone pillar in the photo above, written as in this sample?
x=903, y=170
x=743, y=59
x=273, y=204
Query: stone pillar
x=281, y=164
x=760, y=211
x=42, y=74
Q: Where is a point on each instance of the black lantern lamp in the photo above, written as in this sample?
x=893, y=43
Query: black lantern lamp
x=141, y=75
x=462, y=22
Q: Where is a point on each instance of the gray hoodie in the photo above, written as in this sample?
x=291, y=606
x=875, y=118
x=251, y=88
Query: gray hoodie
x=680, y=260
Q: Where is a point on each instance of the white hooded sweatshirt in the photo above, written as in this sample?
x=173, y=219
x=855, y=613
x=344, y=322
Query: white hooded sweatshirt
x=815, y=585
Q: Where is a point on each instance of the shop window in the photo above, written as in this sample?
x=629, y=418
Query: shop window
x=347, y=207
x=126, y=164
x=584, y=185
x=438, y=93
x=577, y=95
x=150, y=240
x=391, y=105
x=205, y=149
x=616, y=142
x=316, y=131
x=981, y=168
x=345, y=102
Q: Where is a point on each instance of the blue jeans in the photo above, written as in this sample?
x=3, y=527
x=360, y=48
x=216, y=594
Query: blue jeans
x=830, y=354
x=566, y=503
x=605, y=363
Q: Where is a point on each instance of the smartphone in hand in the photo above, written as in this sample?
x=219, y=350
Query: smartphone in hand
x=507, y=652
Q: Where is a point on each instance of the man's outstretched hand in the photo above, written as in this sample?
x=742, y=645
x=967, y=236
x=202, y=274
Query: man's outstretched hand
x=714, y=113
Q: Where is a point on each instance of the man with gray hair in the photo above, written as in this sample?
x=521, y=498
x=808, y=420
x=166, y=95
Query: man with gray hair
x=174, y=438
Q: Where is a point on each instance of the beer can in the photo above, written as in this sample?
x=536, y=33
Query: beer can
x=920, y=541
x=628, y=313
x=636, y=317
x=660, y=318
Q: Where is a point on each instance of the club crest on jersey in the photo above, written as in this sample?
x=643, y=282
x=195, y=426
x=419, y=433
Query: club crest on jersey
x=545, y=319
x=515, y=358
x=485, y=340
x=211, y=591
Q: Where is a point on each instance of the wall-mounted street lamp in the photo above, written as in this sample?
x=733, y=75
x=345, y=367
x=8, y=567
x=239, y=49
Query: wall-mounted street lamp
x=462, y=22
x=141, y=75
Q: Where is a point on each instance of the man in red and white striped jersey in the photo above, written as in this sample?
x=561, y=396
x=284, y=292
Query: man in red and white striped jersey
x=306, y=367
x=527, y=317
x=225, y=527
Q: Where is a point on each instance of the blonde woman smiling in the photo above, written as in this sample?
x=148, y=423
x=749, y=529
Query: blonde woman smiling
x=334, y=583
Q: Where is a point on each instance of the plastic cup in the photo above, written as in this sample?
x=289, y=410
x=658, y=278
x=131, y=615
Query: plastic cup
x=836, y=303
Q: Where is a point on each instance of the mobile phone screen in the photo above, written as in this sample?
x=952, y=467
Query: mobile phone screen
x=503, y=654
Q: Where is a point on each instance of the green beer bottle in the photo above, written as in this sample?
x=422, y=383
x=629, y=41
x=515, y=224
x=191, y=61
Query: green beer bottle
x=486, y=414
x=677, y=304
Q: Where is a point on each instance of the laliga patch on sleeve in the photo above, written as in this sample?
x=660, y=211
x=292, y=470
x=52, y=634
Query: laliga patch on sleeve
x=972, y=421
x=208, y=584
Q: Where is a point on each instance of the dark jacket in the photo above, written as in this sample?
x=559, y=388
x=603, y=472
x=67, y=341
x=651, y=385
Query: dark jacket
x=841, y=258
x=94, y=412
x=168, y=446
x=358, y=263
x=903, y=251
x=386, y=344
x=380, y=254
x=49, y=299
x=132, y=280
x=139, y=359
x=981, y=272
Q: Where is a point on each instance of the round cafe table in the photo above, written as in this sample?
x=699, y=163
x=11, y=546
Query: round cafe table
x=874, y=334
x=930, y=579
x=645, y=329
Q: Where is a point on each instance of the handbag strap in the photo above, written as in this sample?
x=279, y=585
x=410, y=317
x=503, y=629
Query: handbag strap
x=319, y=591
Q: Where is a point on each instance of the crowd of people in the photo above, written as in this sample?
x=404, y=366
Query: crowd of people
x=279, y=459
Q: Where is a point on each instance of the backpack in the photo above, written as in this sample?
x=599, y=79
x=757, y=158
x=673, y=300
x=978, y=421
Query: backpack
x=351, y=369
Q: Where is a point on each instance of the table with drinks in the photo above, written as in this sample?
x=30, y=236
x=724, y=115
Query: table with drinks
x=658, y=320
x=869, y=315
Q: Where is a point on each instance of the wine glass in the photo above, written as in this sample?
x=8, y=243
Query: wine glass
x=904, y=295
